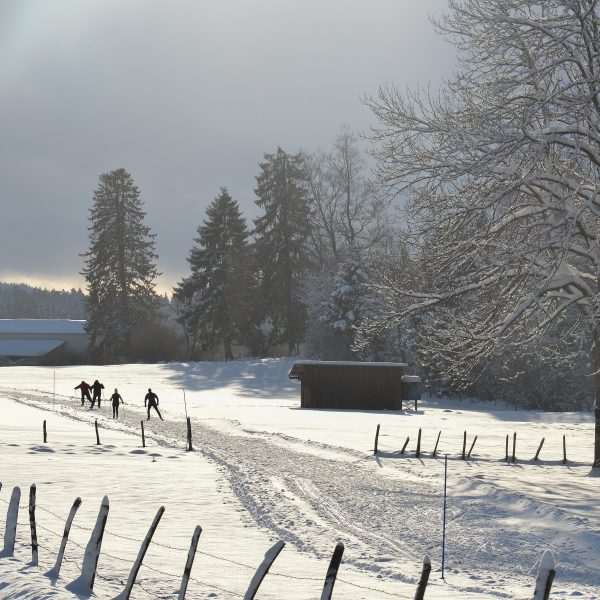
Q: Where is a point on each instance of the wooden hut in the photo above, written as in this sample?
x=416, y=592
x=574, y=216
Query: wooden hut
x=349, y=384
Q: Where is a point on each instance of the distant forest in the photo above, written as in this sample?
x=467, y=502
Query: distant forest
x=21, y=301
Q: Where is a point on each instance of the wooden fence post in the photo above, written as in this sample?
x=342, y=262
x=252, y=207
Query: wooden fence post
x=420, y=595
x=126, y=593
x=45, y=433
x=514, y=446
x=545, y=577
x=189, y=435
x=34, y=543
x=436, y=444
x=464, y=450
x=54, y=572
x=538, y=450
x=143, y=436
x=97, y=434
x=92, y=553
x=564, y=449
x=418, y=453
x=405, y=444
x=270, y=556
x=507, y=447
x=471, y=448
x=189, y=562
x=12, y=516
x=332, y=571
x=376, y=440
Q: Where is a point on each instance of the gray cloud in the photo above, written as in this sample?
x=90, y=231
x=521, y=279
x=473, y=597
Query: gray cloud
x=186, y=95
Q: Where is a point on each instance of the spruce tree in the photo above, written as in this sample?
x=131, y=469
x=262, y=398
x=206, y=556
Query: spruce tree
x=280, y=247
x=119, y=267
x=213, y=299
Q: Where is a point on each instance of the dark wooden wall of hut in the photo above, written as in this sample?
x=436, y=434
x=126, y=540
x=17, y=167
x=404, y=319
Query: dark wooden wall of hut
x=353, y=387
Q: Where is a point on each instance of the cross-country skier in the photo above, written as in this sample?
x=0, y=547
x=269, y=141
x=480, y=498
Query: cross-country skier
x=116, y=400
x=152, y=399
x=85, y=391
x=97, y=388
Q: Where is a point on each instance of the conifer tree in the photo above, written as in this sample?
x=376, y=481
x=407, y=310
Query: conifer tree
x=280, y=247
x=119, y=267
x=213, y=299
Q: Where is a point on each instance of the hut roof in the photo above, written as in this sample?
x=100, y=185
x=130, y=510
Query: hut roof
x=298, y=368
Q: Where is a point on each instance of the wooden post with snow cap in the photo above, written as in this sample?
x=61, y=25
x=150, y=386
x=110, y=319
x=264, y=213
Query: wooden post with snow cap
x=12, y=516
x=97, y=434
x=376, y=440
x=270, y=556
x=189, y=563
x=45, y=432
x=85, y=582
x=418, y=453
x=34, y=542
x=55, y=571
x=436, y=444
x=126, y=593
x=545, y=577
x=332, y=571
x=405, y=444
x=422, y=585
x=464, y=450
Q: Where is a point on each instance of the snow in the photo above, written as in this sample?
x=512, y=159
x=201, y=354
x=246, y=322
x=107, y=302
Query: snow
x=58, y=326
x=266, y=470
x=28, y=347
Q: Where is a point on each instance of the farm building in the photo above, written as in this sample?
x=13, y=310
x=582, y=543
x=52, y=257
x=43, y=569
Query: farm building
x=354, y=385
x=42, y=340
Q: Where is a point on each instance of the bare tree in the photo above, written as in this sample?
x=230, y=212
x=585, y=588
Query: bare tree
x=502, y=167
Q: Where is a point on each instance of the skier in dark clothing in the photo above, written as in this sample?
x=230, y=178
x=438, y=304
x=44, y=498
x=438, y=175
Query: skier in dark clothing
x=116, y=400
x=97, y=388
x=85, y=391
x=152, y=399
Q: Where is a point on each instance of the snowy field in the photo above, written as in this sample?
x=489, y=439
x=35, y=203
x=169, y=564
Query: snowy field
x=264, y=469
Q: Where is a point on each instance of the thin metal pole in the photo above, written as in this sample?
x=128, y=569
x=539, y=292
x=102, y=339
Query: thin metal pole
x=53, y=388
x=444, y=518
x=185, y=403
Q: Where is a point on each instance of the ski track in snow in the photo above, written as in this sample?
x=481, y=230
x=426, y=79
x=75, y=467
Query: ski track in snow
x=387, y=521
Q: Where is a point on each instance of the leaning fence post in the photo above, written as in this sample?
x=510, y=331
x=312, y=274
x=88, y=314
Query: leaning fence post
x=405, y=444
x=34, y=543
x=538, y=450
x=92, y=552
x=422, y=585
x=270, y=556
x=55, y=571
x=545, y=577
x=97, y=434
x=140, y=557
x=418, y=453
x=332, y=571
x=143, y=436
x=10, y=531
x=376, y=440
x=436, y=444
x=189, y=563
x=189, y=435
x=45, y=433
x=471, y=448
x=464, y=445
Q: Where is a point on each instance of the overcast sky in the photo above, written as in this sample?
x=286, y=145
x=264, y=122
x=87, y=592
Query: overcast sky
x=186, y=95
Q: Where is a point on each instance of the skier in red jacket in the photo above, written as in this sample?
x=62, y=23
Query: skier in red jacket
x=85, y=391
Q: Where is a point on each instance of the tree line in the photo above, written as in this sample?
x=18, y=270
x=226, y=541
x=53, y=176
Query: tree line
x=294, y=278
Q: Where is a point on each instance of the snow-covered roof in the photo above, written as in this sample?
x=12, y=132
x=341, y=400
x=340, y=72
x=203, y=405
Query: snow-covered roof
x=28, y=348
x=56, y=326
x=411, y=379
x=298, y=367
